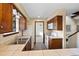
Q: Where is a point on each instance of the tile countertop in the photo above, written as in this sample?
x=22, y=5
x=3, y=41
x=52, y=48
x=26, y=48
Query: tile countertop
x=55, y=34
x=54, y=37
x=16, y=50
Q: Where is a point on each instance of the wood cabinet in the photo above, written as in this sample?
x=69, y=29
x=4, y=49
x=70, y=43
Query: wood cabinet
x=7, y=23
x=27, y=46
x=57, y=22
x=55, y=43
x=0, y=12
x=5, y=17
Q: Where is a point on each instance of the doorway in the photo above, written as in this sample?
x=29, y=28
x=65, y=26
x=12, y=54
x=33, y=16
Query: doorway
x=39, y=35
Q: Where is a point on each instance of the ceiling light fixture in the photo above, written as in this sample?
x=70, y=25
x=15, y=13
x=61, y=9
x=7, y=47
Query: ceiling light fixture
x=38, y=16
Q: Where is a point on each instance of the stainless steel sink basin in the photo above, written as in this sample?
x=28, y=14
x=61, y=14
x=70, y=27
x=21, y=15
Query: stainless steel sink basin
x=21, y=41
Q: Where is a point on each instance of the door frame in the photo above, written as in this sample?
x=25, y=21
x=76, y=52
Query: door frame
x=35, y=31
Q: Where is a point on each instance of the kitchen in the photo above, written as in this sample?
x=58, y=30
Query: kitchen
x=17, y=37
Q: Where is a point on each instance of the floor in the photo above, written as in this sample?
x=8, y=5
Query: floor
x=39, y=43
x=39, y=46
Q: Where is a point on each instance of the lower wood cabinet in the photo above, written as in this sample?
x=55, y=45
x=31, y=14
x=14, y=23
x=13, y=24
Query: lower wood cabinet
x=55, y=43
x=27, y=46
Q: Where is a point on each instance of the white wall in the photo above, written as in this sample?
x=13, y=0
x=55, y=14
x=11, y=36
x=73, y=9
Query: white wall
x=70, y=21
x=77, y=22
x=72, y=42
x=8, y=39
x=77, y=40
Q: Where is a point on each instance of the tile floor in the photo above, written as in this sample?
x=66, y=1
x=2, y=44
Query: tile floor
x=39, y=46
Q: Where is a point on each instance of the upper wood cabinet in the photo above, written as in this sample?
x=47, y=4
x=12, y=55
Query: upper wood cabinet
x=0, y=12
x=5, y=17
x=57, y=22
x=8, y=20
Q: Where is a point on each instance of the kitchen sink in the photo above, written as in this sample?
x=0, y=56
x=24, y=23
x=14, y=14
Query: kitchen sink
x=20, y=41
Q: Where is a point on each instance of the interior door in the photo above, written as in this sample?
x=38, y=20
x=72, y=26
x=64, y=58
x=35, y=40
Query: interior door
x=39, y=31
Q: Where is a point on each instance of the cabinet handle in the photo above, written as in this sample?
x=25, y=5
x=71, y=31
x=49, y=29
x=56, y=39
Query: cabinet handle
x=1, y=27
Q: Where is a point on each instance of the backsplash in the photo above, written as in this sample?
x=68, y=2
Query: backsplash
x=28, y=31
x=7, y=39
x=56, y=34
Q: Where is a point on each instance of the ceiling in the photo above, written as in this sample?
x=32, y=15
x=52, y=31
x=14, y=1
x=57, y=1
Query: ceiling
x=45, y=10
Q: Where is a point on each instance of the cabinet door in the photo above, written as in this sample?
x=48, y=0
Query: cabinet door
x=0, y=12
x=55, y=43
x=0, y=15
x=59, y=23
x=25, y=23
x=27, y=46
x=6, y=23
